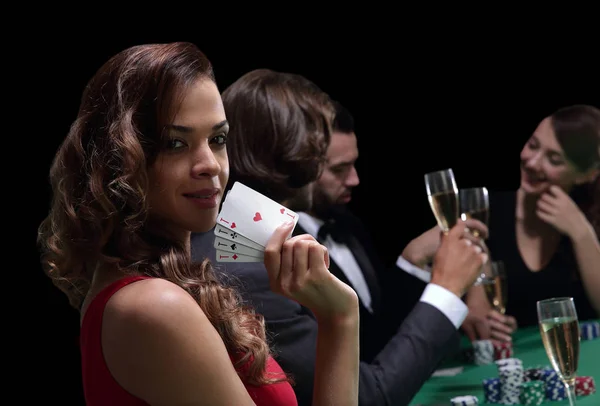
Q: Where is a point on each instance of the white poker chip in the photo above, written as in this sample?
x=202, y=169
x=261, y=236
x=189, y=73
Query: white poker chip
x=467, y=400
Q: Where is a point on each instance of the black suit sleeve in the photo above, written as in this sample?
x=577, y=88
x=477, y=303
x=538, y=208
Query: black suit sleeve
x=397, y=373
x=392, y=378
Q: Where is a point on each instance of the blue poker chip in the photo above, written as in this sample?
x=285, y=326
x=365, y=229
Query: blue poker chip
x=491, y=390
x=589, y=330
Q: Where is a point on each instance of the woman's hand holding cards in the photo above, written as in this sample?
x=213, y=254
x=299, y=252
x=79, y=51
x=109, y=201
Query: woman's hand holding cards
x=298, y=269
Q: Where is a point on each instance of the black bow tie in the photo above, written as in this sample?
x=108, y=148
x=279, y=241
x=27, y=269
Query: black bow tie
x=334, y=230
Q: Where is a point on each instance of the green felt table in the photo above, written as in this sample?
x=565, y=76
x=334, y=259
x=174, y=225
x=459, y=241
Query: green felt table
x=527, y=345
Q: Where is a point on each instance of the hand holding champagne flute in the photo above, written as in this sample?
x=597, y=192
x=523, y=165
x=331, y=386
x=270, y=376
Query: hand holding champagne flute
x=559, y=328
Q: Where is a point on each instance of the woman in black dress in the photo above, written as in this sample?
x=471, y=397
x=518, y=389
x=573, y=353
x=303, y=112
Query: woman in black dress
x=546, y=232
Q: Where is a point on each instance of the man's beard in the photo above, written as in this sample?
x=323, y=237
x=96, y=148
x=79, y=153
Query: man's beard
x=323, y=207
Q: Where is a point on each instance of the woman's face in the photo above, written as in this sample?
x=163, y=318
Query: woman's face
x=543, y=162
x=191, y=171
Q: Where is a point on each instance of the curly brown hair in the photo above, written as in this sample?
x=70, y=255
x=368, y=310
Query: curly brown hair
x=99, y=207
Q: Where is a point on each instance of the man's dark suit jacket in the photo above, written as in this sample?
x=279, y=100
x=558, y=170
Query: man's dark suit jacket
x=395, y=360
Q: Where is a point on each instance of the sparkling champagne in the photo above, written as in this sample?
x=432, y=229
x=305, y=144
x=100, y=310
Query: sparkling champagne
x=496, y=293
x=560, y=336
x=481, y=215
x=445, y=208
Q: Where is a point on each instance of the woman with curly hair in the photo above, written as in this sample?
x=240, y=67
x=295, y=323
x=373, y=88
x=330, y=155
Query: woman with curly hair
x=144, y=165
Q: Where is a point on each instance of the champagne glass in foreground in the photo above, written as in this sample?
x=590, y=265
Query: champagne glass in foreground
x=496, y=290
x=443, y=197
x=474, y=203
x=559, y=328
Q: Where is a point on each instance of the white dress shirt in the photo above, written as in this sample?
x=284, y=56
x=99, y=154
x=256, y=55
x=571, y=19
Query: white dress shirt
x=342, y=256
x=441, y=298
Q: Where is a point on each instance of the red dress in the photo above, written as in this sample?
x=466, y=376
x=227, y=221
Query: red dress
x=101, y=389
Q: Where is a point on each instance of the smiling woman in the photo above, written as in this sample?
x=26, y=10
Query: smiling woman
x=145, y=164
x=546, y=232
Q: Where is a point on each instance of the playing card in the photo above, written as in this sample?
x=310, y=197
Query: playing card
x=230, y=246
x=227, y=234
x=253, y=215
x=224, y=256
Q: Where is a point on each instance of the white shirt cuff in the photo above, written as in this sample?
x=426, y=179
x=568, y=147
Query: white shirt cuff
x=447, y=302
x=423, y=274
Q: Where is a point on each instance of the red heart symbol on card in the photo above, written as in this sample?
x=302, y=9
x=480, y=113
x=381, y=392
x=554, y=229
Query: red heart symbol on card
x=281, y=210
x=257, y=217
x=232, y=225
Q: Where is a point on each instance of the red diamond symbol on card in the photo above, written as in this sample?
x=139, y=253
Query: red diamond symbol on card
x=234, y=256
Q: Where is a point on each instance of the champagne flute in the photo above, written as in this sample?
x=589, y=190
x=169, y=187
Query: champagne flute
x=474, y=203
x=443, y=197
x=496, y=290
x=559, y=328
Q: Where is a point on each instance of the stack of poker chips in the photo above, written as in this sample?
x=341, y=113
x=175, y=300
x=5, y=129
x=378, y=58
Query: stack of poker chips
x=584, y=385
x=554, y=387
x=511, y=375
x=589, y=330
x=491, y=390
x=537, y=384
x=534, y=374
x=503, y=350
x=532, y=393
x=483, y=352
x=467, y=400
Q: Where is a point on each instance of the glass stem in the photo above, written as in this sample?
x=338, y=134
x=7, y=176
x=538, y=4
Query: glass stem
x=570, y=388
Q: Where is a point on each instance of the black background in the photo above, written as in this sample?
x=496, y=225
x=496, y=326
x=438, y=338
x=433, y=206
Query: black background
x=424, y=98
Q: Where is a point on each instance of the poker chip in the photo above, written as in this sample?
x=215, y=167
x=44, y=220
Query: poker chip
x=503, y=350
x=531, y=386
x=466, y=400
x=532, y=393
x=483, y=352
x=508, y=361
x=468, y=355
x=585, y=385
x=491, y=390
x=549, y=376
x=589, y=330
x=511, y=379
x=556, y=391
x=533, y=374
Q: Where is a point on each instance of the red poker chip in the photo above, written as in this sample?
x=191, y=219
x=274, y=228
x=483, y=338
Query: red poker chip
x=584, y=385
x=502, y=350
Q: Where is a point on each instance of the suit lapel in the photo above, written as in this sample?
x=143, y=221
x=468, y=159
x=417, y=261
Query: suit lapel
x=363, y=261
x=361, y=257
